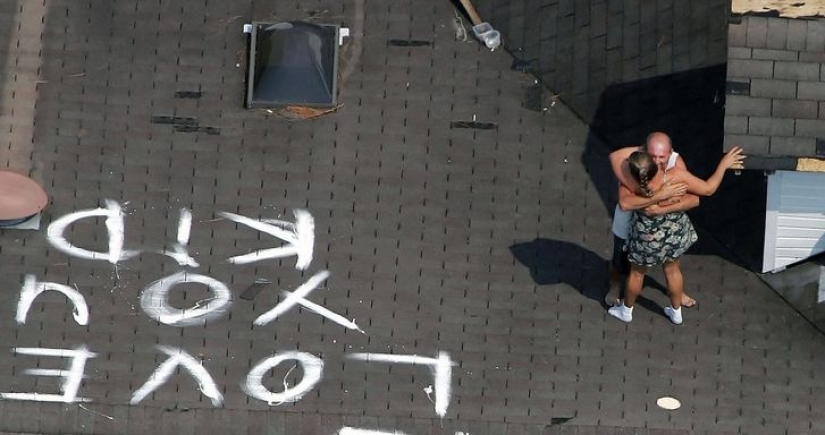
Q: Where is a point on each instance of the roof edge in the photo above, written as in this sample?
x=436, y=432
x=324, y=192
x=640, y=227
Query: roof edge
x=764, y=162
x=780, y=8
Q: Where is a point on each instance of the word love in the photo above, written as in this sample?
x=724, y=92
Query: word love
x=253, y=385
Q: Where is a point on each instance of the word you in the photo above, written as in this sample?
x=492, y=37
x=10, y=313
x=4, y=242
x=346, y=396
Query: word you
x=297, y=240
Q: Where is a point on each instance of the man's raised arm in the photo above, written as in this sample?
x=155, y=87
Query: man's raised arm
x=618, y=162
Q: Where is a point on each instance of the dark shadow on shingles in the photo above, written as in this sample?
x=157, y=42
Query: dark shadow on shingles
x=561, y=262
x=596, y=161
x=688, y=106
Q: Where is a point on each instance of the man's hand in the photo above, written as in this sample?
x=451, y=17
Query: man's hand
x=618, y=162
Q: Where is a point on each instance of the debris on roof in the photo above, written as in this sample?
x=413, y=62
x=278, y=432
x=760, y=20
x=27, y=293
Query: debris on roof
x=810, y=164
x=785, y=8
x=302, y=113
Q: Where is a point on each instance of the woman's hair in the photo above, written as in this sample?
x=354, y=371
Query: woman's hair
x=643, y=169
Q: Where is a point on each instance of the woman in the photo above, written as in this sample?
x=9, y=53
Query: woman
x=662, y=239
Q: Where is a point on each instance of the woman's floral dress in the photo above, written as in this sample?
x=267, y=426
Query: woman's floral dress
x=656, y=239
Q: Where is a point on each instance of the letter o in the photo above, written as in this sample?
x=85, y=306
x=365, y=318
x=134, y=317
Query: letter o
x=155, y=301
x=312, y=366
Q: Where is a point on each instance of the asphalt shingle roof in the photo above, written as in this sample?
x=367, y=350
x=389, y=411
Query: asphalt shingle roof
x=488, y=245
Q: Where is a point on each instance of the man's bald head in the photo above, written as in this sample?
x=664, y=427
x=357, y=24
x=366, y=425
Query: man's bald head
x=659, y=147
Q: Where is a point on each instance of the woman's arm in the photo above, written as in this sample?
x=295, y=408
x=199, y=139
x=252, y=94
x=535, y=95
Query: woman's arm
x=698, y=186
x=685, y=203
x=629, y=201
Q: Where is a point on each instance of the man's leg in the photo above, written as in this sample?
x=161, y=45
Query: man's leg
x=617, y=271
x=624, y=310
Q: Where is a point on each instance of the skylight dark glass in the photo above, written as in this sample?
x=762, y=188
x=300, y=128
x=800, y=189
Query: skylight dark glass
x=292, y=63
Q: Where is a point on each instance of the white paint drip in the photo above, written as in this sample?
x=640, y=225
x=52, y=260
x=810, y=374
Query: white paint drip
x=31, y=289
x=346, y=430
x=178, y=357
x=428, y=390
x=442, y=366
x=71, y=377
x=299, y=236
x=179, y=252
x=96, y=412
x=311, y=365
x=155, y=301
x=114, y=227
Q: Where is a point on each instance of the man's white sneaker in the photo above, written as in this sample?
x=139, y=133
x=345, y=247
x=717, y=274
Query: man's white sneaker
x=621, y=312
x=674, y=315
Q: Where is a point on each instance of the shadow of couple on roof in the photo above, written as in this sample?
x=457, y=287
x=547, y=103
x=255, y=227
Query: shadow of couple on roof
x=553, y=261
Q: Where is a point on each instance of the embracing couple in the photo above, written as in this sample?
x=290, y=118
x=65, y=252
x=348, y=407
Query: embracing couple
x=650, y=225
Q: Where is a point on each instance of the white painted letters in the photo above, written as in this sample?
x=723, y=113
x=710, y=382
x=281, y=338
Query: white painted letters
x=178, y=251
x=114, y=227
x=298, y=298
x=442, y=366
x=32, y=289
x=178, y=357
x=155, y=301
x=311, y=365
x=71, y=378
x=300, y=238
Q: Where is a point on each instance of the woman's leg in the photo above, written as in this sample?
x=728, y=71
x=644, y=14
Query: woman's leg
x=675, y=282
x=673, y=274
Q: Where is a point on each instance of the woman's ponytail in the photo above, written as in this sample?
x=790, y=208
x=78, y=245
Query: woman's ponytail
x=643, y=169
